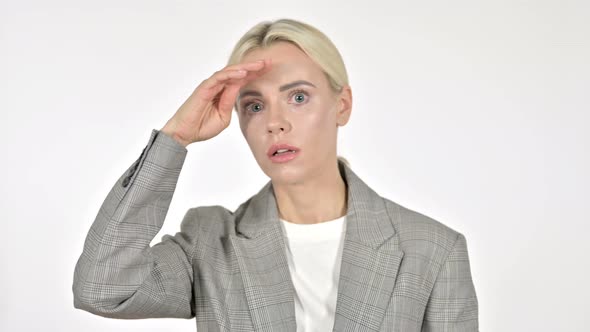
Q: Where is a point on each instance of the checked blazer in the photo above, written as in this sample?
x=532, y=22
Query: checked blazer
x=400, y=270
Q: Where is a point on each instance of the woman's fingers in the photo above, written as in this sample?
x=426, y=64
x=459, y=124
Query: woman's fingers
x=247, y=65
x=240, y=74
x=211, y=86
x=227, y=100
x=232, y=72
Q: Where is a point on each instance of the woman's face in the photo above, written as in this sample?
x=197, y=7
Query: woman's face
x=292, y=103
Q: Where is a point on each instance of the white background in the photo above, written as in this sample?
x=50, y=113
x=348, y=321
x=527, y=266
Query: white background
x=475, y=113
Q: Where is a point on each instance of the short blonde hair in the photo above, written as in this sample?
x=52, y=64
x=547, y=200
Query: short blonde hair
x=309, y=39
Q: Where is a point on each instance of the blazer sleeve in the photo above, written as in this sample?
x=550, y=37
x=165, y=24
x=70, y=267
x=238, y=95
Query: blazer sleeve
x=452, y=305
x=118, y=274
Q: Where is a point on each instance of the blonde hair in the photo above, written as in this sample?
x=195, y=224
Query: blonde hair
x=308, y=38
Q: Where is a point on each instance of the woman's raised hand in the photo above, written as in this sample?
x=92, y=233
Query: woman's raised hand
x=208, y=110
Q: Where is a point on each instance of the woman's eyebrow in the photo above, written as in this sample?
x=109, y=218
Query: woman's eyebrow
x=281, y=88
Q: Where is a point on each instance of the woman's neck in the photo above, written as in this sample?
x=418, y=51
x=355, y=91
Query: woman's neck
x=320, y=199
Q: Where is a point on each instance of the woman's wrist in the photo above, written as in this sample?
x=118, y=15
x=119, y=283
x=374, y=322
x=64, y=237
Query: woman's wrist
x=169, y=130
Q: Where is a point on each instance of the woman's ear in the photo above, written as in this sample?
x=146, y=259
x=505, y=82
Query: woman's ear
x=344, y=99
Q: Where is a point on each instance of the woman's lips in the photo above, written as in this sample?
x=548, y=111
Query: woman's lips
x=284, y=157
x=279, y=146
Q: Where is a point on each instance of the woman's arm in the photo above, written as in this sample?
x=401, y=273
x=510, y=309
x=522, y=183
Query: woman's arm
x=453, y=303
x=118, y=274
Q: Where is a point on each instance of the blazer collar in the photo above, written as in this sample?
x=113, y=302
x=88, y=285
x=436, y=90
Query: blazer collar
x=368, y=271
x=367, y=221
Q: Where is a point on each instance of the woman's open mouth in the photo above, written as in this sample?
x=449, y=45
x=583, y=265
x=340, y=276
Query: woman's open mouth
x=283, y=155
x=282, y=152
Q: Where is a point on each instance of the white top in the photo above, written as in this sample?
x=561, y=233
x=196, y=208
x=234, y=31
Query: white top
x=314, y=254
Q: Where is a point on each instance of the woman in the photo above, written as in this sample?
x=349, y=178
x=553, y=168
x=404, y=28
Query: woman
x=316, y=249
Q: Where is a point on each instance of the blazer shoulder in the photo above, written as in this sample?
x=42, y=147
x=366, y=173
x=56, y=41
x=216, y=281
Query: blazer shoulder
x=208, y=220
x=419, y=231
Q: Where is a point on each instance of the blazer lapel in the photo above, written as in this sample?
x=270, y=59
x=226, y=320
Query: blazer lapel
x=370, y=261
x=261, y=257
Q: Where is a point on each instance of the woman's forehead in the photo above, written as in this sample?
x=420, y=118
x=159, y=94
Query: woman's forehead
x=287, y=70
x=284, y=73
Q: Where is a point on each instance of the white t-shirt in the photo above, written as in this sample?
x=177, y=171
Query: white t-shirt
x=314, y=254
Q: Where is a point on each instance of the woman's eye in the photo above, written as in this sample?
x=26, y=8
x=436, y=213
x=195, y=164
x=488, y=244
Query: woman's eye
x=256, y=107
x=300, y=97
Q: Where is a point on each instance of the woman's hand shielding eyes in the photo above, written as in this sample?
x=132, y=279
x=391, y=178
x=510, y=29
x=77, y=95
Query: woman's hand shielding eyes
x=208, y=110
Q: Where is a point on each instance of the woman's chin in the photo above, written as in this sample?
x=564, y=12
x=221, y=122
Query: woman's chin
x=284, y=175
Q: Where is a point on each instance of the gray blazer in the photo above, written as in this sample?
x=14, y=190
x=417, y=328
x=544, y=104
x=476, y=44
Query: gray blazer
x=400, y=270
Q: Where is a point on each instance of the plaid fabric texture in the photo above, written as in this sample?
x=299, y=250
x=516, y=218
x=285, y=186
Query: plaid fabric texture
x=400, y=271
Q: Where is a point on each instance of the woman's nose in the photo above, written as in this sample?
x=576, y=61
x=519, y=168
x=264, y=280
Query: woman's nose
x=277, y=119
